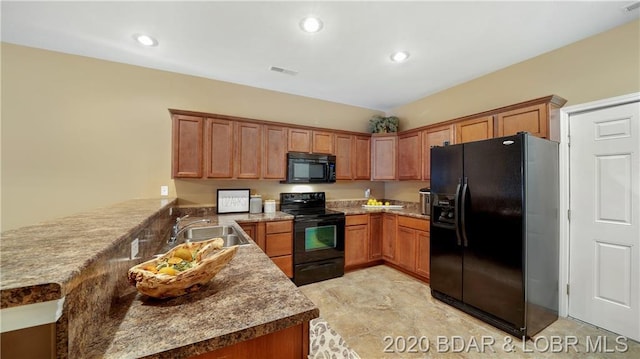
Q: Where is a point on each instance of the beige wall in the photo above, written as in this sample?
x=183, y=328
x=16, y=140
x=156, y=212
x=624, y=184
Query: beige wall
x=79, y=133
x=602, y=66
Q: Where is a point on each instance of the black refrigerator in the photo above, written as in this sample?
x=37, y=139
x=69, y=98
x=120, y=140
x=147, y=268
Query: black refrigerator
x=495, y=231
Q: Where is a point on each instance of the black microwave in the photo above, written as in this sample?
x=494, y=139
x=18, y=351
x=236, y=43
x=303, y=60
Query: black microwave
x=310, y=168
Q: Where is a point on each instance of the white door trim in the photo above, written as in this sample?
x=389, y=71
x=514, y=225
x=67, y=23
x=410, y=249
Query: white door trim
x=565, y=113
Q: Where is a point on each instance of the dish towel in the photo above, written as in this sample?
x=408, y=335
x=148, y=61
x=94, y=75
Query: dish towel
x=326, y=343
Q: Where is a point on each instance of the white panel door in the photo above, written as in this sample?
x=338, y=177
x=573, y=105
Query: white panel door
x=604, y=248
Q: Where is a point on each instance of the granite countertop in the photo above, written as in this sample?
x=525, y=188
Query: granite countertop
x=64, y=258
x=40, y=262
x=409, y=212
x=248, y=298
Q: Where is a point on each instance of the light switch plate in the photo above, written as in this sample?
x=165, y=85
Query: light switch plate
x=164, y=190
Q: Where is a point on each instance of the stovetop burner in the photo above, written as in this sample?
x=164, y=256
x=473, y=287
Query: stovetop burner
x=306, y=204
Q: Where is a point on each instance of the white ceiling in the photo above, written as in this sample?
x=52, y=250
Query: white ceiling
x=347, y=62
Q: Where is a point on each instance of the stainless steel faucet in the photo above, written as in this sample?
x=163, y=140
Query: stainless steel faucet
x=177, y=230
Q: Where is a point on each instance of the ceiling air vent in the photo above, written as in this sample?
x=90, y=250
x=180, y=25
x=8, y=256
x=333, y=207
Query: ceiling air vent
x=284, y=71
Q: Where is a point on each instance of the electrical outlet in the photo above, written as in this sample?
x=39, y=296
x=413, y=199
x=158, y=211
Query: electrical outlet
x=164, y=190
x=367, y=193
x=135, y=248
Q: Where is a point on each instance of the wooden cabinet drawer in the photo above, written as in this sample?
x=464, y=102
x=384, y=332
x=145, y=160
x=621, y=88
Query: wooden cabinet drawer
x=285, y=263
x=415, y=223
x=357, y=219
x=279, y=244
x=279, y=227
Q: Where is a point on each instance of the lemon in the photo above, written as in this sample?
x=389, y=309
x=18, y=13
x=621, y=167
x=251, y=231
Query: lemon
x=387, y=203
x=184, y=254
x=168, y=270
x=174, y=260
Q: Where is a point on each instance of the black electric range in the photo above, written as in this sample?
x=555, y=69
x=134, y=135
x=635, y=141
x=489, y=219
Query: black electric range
x=318, y=241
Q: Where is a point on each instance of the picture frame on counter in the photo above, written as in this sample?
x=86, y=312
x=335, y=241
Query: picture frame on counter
x=234, y=200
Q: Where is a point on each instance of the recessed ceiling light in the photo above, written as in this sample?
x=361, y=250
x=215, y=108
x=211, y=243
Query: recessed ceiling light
x=311, y=24
x=399, y=56
x=145, y=40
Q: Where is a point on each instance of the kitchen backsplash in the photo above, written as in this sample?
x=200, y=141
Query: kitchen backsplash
x=203, y=211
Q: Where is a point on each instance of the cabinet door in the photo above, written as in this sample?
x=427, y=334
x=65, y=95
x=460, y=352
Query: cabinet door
x=436, y=136
x=422, y=260
x=532, y=119
x=285, y=263
x=248, y=147
x=474, y=129
x=322, y=142
x=344, y=157
x=255, y=230
x=275, y=152
x=389, y=224
x=362, y=158
x=410, y=156
x=279, y=244
x=356, y=249
x=383, y=157
x=218, y=145
x=375, y=236
x=406, y=248
x=299, y=140
x=187, y=147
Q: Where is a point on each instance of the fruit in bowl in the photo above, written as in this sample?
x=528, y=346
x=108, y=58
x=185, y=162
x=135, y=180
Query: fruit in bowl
x=183, y=269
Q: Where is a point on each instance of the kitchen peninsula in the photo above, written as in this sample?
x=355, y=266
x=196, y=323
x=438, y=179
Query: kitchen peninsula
x=79, y=264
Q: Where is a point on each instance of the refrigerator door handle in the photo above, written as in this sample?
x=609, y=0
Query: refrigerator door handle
x=465, y=189
x=456, y=212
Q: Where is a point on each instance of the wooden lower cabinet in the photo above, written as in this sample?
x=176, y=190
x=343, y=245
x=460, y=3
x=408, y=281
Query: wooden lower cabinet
x=422, y=258
x=412, y=245
x=389, y=224
x=375, y=236
x=289, y=343
x=406, y=248
x=356, y=240
x=275, y=239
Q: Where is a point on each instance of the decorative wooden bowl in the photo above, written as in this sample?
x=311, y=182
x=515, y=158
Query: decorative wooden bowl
x=208, y=258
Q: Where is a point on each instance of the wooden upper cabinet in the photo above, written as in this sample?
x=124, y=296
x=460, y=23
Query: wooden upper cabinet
x=218, y=147
x=532, y=119
x=345, y=147
x=299, y=140
x=187, y=146
x=275, y=152
x=474, y=129
x=434, y=136
x=383, y=157
x=362, y=158
x=322, y=142
x=248, y=148
x=410, y=156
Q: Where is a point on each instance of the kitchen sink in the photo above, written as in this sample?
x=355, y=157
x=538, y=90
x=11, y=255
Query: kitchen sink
x=229, y=234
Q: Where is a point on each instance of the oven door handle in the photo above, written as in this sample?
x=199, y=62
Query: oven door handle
x=316, y=266
x=329, y=221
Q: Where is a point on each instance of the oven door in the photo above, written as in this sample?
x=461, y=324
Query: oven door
x=317, y=239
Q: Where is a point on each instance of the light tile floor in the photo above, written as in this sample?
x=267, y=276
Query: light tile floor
x=383, y=313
